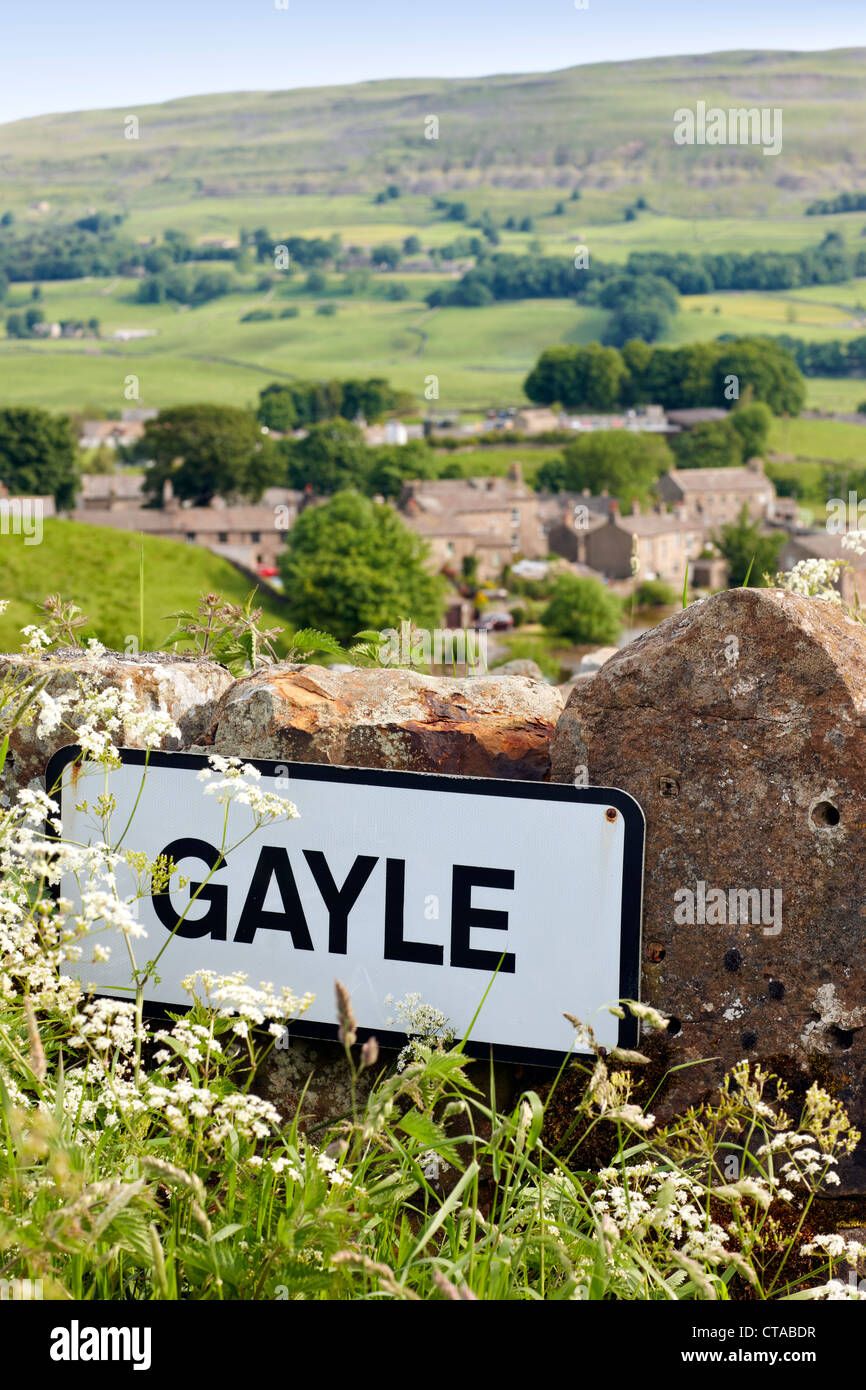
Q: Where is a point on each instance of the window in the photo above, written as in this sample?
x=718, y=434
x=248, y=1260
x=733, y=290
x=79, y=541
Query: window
x=223, y=537
x=190, y=536
x=255, y=537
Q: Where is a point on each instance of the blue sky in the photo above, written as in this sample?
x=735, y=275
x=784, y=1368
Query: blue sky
x=90, y=53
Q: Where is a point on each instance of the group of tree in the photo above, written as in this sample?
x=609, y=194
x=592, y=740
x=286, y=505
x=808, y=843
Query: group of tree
x=26, y=325
x=38, y=455
x=293, y=405
x=186, y=286
x=627, y=463
x=841, y=202
x=698, y=374
x=832, y=358
x=206, y=451
x=67, y=251
x=509, y=276
x=624, y=463
x=743, y=435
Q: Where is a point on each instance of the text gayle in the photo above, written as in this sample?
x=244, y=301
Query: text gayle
x=273, y=867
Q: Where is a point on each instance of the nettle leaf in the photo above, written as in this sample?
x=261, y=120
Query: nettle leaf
x=425, y=1130
x=310, y=639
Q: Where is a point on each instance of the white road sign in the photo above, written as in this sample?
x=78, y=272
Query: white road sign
x=395, y=883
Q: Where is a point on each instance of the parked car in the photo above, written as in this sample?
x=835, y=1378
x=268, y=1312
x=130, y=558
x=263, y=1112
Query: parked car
x=496, y=622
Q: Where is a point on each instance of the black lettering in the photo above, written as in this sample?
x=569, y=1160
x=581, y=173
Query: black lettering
x=396, y=948
x=464, y=917
x=274, y=863
x=339, y=901
x=215, y=919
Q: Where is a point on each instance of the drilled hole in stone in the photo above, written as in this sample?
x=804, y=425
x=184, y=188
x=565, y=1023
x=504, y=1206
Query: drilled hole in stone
x=732, y=960
x=657, y=954
x=842, y=1037
x=825, y=813
x=776, y=989
x=674, y=1028
x=748, y=1041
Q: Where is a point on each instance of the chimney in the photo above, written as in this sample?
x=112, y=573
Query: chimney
x=515, y=472
x=755, y=465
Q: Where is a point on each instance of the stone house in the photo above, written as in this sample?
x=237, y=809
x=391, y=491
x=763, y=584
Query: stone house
x=536, y=420
x=252, y=535
x=568, y=517
x=715, y=496
x=492, y=518
x=665, y=544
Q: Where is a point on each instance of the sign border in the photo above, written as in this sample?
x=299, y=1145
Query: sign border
x=632, y=868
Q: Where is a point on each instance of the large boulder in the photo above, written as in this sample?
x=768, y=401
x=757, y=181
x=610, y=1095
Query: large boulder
x=184, y=687
x=739, y=725
x=481, y=726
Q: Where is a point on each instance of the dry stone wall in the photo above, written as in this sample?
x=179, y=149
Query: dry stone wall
x=739, y=726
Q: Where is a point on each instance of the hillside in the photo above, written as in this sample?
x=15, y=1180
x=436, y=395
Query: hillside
x=98, y=569
x=604, y=126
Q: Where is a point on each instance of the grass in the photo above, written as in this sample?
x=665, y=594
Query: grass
x=833, y=441
x=98, y=569
x=576, y=125
x=480, y=357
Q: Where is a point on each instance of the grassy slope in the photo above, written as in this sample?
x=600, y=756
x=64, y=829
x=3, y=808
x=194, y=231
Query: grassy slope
x=609, y=123
x=98, y=569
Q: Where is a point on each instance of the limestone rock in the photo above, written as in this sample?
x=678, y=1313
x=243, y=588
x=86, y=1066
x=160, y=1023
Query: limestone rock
x=482, y=726
x=520, y=666
x=739, y=725
x=593, y=661
x=186, y=687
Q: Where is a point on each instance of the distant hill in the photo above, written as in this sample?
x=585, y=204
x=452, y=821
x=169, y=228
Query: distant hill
x=603, y=126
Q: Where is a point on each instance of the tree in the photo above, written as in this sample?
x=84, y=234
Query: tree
x=753, y=423
x=583, y=610
x=589, y=377
x=625, y=463
x=207, y=451
x=713, y=444
x=331, y=457
x=38, y=455
x=411, y=246
x=768, y=369
x=748, y=551
x=391, y=464
x=352, y=565
x=386, y=255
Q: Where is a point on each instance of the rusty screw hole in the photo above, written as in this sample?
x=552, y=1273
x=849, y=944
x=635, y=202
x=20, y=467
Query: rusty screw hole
x=656, y=954
x=825, y=813
x=610, y=813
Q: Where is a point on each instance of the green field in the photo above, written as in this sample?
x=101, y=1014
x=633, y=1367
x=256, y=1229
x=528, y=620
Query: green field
x=831, y=441
x=480, y=357
x=98, y=569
